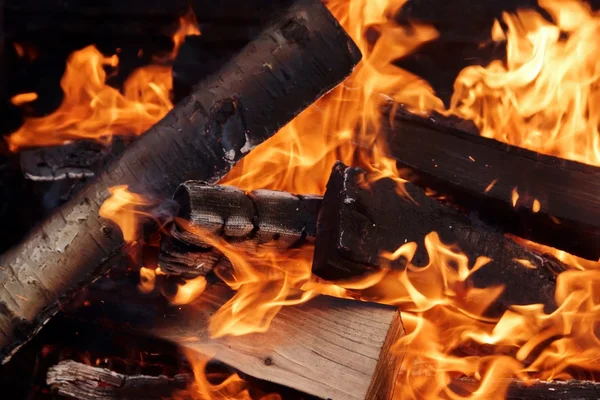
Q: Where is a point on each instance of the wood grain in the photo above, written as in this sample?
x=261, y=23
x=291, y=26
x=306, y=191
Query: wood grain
x=330, y=348
x=480, y=175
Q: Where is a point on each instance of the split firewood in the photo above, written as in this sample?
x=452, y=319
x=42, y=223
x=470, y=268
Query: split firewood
x=260, y=218
x=358, y=222
x=330, y=348
x=80, y=381
x=294, y=61
x=534, y=196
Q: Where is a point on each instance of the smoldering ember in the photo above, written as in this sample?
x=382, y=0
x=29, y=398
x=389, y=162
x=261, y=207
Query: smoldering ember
x=299, y=199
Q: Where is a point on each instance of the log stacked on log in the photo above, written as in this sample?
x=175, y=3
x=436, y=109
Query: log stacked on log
x=294, y=61
x=247, y=221
x=481, y=174
x=358, y=222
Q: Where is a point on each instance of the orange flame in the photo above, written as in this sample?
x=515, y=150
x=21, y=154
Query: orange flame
x=91, y=109
x=122, y=207
x=23, y=98
x=332, y=128
x=544, y=97
x=541, y=99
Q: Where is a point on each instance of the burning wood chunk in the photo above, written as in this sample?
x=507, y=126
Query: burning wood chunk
x=359, y=221
x=294, y=61
x=330, y=348
x=81, y=381
x=247, y=221
x=556, y=201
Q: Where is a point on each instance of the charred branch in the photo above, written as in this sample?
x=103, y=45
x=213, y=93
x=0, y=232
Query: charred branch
x=481, y=174
x=261, y=218
x=358, y=222
x=294, y=61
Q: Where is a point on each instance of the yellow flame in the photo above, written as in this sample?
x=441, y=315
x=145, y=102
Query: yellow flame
x=123, y=208
x=544, y=97
x=91, y=109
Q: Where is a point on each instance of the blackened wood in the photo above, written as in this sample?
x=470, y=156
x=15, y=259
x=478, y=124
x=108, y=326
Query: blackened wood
x=260, y=218
x=110, y=7
x=536, y=389
x=82, y=158
x=297, y=59
x=80, y=381
x=198, y=58
x=480, y=175
x=357, y=223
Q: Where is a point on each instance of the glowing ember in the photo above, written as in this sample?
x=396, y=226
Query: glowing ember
x=23, y=98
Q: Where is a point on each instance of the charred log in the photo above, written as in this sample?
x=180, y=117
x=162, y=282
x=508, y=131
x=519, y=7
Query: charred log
x=80, y=381
x=480, y=174
x=198, y=58
x=79, y=159
x=294, y=61
x=358, y=222
x=262, y=218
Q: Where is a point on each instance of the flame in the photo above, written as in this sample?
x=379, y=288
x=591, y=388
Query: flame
x=92, y=109
x=123, y=208
x=541, y=98
x=189, y=291
x=226, y=387
x=544, y=97
x=514, y=197
x=344, y=124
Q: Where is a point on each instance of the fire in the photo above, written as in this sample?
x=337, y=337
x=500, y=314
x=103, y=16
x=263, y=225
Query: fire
x=123, y=208
x=92, y=109
x=544, y=97
x=343, y=125
x=217, y=386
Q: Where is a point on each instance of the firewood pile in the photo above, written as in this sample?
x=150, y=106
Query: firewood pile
x=430, y=262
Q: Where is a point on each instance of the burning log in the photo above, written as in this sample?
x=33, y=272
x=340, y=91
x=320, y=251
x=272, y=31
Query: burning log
x=81, y=381
x=79, y=159
x=357, y=223
x=537, y=197
x=297, y=59
x=329, y=347
x=247, y=221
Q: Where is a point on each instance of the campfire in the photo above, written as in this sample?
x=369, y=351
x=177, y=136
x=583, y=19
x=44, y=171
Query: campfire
x=345, y=199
